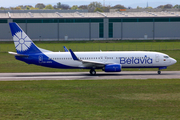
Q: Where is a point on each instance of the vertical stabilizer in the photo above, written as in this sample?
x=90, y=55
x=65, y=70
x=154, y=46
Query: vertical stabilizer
x=23, y=44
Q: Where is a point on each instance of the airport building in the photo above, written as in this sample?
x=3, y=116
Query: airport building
x=81, y=25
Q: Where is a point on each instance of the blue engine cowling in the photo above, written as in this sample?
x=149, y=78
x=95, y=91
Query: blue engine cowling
x=112, y=68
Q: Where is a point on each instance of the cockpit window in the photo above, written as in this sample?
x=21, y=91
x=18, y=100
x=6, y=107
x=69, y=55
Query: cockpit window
x=166, y=56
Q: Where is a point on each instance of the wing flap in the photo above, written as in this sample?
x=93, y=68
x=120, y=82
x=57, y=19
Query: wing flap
x=93, y=62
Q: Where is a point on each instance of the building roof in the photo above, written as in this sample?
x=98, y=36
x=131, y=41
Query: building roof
x=89, y=15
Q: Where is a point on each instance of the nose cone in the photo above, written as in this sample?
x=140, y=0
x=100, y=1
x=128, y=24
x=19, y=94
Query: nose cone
x=173, y=61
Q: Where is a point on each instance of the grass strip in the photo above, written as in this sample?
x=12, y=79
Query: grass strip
x=90, y=99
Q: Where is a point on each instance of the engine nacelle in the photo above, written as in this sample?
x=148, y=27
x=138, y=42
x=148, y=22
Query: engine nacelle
x=112, y=68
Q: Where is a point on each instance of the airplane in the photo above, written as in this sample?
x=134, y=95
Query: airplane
x=112, y=61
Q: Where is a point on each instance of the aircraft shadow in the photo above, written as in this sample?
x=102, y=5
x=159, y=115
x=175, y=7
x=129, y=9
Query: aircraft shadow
x=88, y=75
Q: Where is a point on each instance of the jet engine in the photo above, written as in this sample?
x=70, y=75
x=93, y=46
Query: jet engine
x=112, y=68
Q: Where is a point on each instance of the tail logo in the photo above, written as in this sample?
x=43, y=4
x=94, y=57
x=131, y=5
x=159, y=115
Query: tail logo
x=22, y=41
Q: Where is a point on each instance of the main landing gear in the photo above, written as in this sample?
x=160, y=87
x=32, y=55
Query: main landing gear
x=92, y=72
x=159, y=72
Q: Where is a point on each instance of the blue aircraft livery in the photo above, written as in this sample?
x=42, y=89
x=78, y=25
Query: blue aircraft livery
x=112, y=61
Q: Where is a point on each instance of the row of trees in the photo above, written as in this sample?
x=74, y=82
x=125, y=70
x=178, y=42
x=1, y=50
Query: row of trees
x=167, y=6
x=93, y=6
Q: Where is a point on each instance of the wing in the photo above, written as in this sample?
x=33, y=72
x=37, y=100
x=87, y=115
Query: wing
x=88, y=62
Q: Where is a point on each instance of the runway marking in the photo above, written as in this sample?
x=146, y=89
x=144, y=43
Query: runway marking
x=41, y=78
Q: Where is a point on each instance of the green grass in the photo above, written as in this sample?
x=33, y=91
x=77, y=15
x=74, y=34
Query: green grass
x=9, y=64
x=149, y=45
x=89, y=99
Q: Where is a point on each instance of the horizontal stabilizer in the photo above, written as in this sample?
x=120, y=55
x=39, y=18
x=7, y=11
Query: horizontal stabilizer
x=16, y=54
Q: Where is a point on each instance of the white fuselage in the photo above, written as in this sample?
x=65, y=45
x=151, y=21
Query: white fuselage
x=128, y=59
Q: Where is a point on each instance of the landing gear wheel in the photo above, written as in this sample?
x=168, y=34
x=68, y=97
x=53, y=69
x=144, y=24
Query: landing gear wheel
x=159, y=72
x=92, y=72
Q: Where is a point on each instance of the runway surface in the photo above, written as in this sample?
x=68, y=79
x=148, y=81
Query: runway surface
x=87, y=76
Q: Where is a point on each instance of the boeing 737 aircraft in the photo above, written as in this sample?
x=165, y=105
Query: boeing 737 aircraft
x=28, y=52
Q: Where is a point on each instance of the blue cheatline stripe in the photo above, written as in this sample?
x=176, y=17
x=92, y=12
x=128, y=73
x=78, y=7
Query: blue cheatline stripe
x=46, y=62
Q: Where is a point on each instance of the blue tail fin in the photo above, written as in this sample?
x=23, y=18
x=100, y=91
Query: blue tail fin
x=23, y=44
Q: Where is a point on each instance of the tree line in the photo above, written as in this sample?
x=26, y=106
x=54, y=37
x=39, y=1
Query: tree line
x=167, y=6
x=92, y=7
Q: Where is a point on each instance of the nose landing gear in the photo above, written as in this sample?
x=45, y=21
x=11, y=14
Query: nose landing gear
x=159, y=71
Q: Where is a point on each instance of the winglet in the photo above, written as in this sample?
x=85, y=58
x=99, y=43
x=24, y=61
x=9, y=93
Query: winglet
x=65, y=49
x=73, y=55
